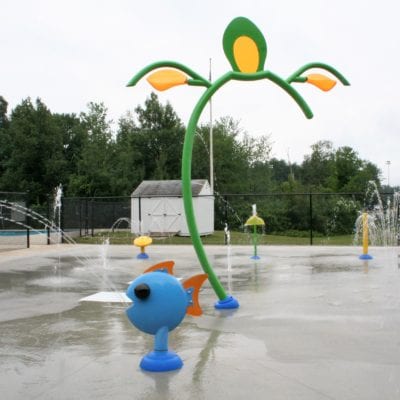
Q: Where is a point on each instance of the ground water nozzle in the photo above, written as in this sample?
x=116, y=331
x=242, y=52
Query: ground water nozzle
x=255, y=221
x=365, y=255
x=142, y=242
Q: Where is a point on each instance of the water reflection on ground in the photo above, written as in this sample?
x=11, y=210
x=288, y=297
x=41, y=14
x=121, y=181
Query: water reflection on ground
x=313, y=323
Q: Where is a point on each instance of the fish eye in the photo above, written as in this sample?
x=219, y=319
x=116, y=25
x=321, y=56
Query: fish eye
x=142, y=291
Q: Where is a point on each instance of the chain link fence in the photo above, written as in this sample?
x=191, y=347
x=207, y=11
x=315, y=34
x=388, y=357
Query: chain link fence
x=314, y=217
x=23, y=225
x=82, y=216
x=14, y=233
x=306, y=215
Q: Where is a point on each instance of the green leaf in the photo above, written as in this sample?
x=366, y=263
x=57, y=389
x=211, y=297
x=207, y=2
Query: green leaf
x=244, y=46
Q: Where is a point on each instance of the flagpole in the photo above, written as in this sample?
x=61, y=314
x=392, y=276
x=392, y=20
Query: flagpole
x=211, y=143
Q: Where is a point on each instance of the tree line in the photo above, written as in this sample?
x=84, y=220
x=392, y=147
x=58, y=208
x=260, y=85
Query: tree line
x=90, y=156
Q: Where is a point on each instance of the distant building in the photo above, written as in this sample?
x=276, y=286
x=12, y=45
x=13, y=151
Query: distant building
x=157, y=208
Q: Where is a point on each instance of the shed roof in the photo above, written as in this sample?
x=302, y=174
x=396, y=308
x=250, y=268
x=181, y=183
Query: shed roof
x=167, y=188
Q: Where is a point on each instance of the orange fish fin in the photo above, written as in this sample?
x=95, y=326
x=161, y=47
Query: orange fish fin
x=164, y=266
x=192, y=287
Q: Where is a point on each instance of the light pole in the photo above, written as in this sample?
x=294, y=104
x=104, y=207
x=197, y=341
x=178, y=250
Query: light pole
x=211, y=144
x=388, y=172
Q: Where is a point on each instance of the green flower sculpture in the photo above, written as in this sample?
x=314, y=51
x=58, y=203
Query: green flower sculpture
x=246, y=49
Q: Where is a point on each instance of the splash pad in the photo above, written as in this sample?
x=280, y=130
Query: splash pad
x=310, y=316
x=245, y=48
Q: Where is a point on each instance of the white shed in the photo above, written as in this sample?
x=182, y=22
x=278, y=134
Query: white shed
x=157, y=208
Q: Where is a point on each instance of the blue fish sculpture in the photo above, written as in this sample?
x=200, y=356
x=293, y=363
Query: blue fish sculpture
x=160, y=302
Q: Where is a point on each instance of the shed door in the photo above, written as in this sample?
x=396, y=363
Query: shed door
x=165, y=216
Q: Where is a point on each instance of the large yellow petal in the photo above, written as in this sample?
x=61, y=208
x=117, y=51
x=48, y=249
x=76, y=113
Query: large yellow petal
x=164, y=79
x=246, y=54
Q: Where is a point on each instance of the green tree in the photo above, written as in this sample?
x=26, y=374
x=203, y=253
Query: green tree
x=159, y=139
x=241, y=164
x=129, y=164
x=260, y=177
x=148, y=145
x=259, y=170
x=318, y=169
x=35, y=161
x=94, y=175
x=74, y=138
x=258, y=149
x=5, y=149
x=230, y=156
x=3, y=113
x=154, y=116
x=347, y=165
x=366, y=173
x=280, y=170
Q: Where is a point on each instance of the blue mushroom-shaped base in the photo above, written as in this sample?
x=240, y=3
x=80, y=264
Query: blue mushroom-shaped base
x=142, y=256
x=228, y=303
x=365, y=257
x=161, y=361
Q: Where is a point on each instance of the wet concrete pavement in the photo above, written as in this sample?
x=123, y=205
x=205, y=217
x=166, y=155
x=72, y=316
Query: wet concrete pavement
x=313, y=323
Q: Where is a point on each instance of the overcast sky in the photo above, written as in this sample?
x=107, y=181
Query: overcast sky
x=71, y=52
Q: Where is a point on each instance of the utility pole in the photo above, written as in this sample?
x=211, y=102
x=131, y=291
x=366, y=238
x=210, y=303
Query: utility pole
x=211, y=143
x=388, y=172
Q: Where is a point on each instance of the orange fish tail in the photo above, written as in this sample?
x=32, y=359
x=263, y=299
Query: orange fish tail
x=192, y=285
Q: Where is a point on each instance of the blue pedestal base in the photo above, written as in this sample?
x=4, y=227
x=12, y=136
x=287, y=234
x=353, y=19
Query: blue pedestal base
x=142, y=256
x=227, y=304
x=365, y=257
x=161, y=361
x=255, y=257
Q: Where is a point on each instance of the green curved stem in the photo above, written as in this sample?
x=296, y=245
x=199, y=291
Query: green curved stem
x=187, y=159
x=255, y=239
x=326, y=67
x=200, y=81
x=187, y=185
x=281, y=83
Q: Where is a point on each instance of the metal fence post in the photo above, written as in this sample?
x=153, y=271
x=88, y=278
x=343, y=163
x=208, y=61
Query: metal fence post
x=92, y=217
x=226, y=209
x=61, y=211
x=27, y=222
x=86, y=217
x=80, y=218
x=140, y=214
